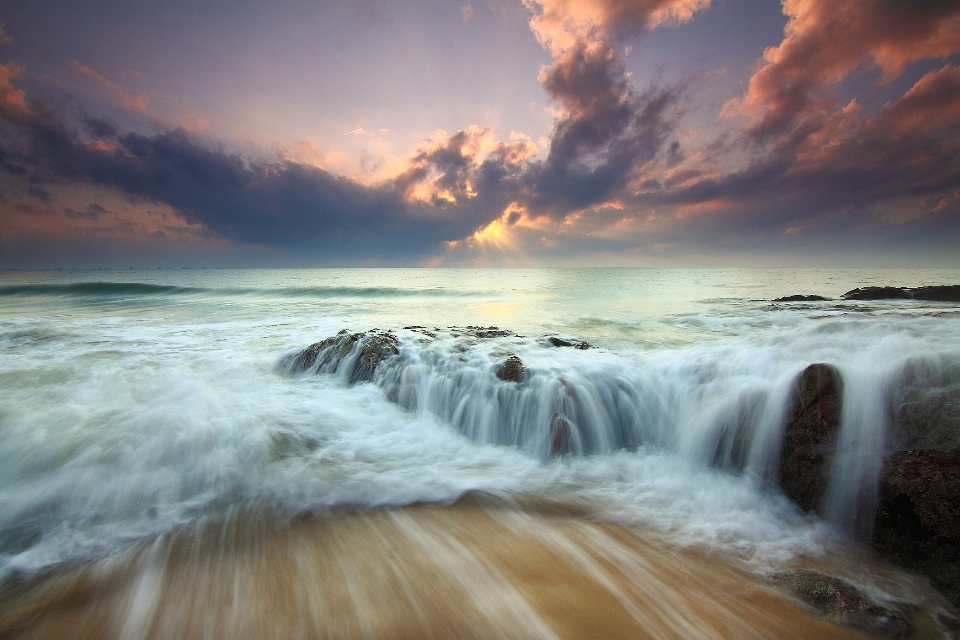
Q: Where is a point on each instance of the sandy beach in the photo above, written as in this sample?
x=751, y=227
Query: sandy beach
x=477, y=569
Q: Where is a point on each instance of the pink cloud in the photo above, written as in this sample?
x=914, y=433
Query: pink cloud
x=13, y=103
x=560, y=24
x=824, y=41
x=137, y=103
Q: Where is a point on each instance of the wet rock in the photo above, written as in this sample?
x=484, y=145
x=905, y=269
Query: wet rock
x=488, y=332
x=576, y=344
x=941, y=293
x=876, y=293
x=918, y=517
x=334, y=349
x=375, y=348
x=559, y=435
x=511, y=370
x=842, y=602
x=801, y=298
x=810, y=439
x=326, y=356
x=917, y=522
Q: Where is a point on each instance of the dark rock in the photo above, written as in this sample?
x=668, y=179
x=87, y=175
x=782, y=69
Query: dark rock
x=511, y=370
x=842, y=602
x=334, y=349
x=375, y=348
x=876, y=293
x=801, y=298
x=917, y=522
x=488, y=332
x=559, y=435
x=948, y=293
x=577, y=344
x=810, y=438
x=326, y=356
x=918, y=517
x=940, y=293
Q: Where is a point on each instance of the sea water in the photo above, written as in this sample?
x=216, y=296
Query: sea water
x=135, y=403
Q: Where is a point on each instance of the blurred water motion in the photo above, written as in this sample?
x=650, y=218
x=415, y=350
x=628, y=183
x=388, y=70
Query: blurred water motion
x=478, y=569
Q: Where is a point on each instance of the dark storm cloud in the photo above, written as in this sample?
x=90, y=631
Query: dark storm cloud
x=607, y=131
x=282, y=203
x=101, y=128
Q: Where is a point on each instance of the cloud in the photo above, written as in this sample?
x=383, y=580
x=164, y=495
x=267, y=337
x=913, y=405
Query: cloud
x=606, y=132
x=136, y=103
x=13, y=104
x=824, y=41
x=796, y=170
x=563, y=24
x=446, y=189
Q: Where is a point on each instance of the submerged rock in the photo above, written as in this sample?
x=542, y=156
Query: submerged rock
x=559, y=441
x=842, y=602
x=511, y=370
x=801, y=298
x=327, y=356
x=940, y=293
x=577, y=344
x=809, y=442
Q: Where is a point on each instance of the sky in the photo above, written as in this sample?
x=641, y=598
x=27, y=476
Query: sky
x=479, y=133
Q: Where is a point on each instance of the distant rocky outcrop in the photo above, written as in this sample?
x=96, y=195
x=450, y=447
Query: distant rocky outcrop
x=944, y=293
x=372, y=348
x=511, y=370
x=840, y=601
x=801, y=298
x=917, y=521
x=562, y=342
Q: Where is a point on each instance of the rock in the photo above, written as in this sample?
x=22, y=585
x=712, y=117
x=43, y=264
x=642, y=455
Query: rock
x=484, y=333
x=810, y=438
x=842, y=602
x=941, y=293
x=375, y=348
x=948, y=293
x=876, y=293
x=577, y=344
x=801, y=298
x=918, y=516
x=559, y=435
x=334, y=349
x=328, y=354
x=917, y=522
x=511, y=370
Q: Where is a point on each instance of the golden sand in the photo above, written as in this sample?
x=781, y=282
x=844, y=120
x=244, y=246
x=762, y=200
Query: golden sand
x=477, y=569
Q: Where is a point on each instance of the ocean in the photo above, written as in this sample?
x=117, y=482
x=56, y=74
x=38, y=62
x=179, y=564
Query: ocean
x=146, y=412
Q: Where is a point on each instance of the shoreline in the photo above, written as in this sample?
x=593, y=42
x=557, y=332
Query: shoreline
x=480, y=568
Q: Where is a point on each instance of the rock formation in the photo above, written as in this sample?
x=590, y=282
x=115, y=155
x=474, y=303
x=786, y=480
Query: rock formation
x=328, y=355
x=946, y=293
x=511, y=370
x=811, y=434
x=839, y=600
x=918, y=513
x=801, y=298
x=561, y=342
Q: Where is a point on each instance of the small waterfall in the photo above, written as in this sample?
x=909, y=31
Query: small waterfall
x=851, y=499
x=716, y=407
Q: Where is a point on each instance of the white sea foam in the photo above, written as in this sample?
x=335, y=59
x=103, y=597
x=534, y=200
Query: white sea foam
x=124, y=418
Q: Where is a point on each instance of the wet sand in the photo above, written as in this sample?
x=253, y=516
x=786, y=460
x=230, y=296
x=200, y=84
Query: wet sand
x=477, y=569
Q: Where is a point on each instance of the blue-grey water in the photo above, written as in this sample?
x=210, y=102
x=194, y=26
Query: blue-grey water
x=137, y=402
